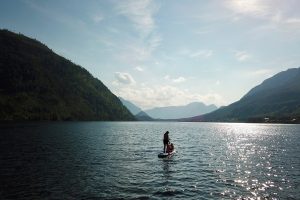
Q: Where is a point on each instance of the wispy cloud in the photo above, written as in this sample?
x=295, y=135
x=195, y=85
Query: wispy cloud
x=140, y=13
x=242, y=56
x=98, y=18
x=135, y=50
x=61, y=17
x=201, y=54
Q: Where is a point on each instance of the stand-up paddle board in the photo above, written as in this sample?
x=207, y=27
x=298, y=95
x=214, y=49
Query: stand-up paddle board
x=166, y=155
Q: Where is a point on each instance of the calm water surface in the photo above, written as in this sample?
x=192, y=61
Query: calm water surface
x=118, y=160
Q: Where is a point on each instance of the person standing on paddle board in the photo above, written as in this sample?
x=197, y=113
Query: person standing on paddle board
x=166, y=140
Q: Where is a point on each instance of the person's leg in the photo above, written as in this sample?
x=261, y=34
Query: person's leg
x=165, y=146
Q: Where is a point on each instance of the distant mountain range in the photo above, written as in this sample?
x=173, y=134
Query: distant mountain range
x=130, y=106
x=276, y=99
x=170, y=112
x=37, y=84
x=142, y=116
x=176, y=112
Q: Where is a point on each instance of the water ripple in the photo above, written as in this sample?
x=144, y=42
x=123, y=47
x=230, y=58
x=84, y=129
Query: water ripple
x=118, y=160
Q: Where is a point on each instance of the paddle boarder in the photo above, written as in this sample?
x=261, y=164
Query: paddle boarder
x=166, y=140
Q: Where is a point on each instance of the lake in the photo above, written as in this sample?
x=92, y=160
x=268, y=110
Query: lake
x=118, y=160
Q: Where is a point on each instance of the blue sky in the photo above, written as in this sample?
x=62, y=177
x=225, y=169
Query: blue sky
x=168, y=52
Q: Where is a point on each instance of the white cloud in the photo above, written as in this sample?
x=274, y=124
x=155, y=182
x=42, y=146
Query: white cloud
x=242, y=55
x=257, y=8
x=164, y=95
x=167, y=77
x=179, y=80
x=124, y=78
x=212, y=98
x=275, y=12
x=139, y=68
x=175, y=80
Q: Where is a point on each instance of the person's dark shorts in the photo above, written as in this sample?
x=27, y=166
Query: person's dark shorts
x=166, y=142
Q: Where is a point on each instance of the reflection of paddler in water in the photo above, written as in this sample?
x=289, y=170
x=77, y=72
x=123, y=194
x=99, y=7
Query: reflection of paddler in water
x=166, y=165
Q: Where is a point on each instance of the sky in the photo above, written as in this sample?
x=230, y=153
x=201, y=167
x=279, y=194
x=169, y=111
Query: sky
x=167, y=52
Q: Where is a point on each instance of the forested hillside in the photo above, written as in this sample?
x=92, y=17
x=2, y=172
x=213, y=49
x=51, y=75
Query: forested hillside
x=276, y=99
x=38, y=84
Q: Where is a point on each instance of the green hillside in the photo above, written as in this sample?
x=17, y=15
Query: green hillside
x=37, y=84
x=276, y=99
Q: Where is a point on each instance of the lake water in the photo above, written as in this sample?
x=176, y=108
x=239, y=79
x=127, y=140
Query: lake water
x=118, y=160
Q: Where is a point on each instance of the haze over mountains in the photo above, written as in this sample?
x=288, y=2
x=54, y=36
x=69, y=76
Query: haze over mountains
x=37, y=84
x=276, y=98
x=130, y=106
x=176, y=112
x=169, y=112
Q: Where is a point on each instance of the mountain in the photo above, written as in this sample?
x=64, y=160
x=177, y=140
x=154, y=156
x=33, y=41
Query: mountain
x=276, y=99
x=142, y=116
x=277, y=81
x=176, y=112
x=136, y=111
x=37, y=84
x=130, y=106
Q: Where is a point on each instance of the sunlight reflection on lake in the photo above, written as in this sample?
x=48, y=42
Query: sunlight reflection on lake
x=109, y=160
